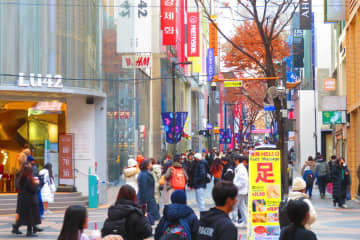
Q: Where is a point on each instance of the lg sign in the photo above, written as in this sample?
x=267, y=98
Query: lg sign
x=193, y=33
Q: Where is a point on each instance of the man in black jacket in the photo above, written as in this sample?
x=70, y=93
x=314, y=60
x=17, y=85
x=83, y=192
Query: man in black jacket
x=215, y=224
x=199, y=178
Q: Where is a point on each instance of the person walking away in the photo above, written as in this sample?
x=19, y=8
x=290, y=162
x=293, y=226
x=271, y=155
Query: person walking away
x=299, y=214
x=179, y=220
x=48, y=186
x=126, y=218
x=297, y=193
x=188, y=166
x=35, y=168
x=228, y=169
x=167, y=163
x=339, y=183
x=308, y=173
x=146, y=185
x=209, y=157
x=322, y=172
x=216, y=170
x=332, y=163
x=156, y=172
x=215, y=224
x=241, y=181
x=28, y=202
x=131, y=173
x=199, y=180
x=23, y=156
x=75, y=221
x=347, y=180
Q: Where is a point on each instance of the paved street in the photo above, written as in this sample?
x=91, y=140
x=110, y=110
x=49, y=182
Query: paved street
x=331, y=223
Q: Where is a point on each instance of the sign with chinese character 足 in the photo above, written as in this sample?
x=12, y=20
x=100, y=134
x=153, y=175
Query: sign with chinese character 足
x=193, y=34
x=66, y=173
x=168, y=21
x=264, y=195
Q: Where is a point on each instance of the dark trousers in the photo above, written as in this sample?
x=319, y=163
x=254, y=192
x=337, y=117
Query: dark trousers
x=322, y=181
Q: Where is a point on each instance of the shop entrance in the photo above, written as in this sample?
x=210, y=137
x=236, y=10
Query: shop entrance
x=35, y=124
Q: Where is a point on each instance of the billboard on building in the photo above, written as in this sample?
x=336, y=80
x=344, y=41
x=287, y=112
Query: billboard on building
x=334, y=11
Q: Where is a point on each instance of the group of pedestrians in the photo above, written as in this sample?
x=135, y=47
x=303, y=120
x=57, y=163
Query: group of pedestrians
x=35, y=192
x=334, y=172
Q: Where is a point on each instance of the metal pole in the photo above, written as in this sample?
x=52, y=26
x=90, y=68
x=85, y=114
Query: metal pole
x=174, y=99
x=208, y=121
x=225, y=126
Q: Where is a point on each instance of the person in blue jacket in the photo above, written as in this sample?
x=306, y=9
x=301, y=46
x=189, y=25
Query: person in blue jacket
x=176, y=211
x=146, y=184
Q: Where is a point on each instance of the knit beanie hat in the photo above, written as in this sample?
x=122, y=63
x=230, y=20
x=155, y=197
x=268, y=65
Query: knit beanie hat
x=178, y=196
x=298, y=184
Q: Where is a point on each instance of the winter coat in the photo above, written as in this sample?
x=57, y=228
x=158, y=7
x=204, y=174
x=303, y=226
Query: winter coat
x=156, y=172
x=241, y=179
x=322, y=168
x=174, y=212
x=28, y=203
x=199, y=174
x=168, y=163
x=358, y=173
x=130, y=175
x=209, y=159
x=338, y=180
x=308, y=165
x=47, y=193
x=215, y=224
x=313, y=215
x=146, y=184
x=225, y=172
x=188, y=166
x=296, y=233
x=128, y=220
x=169, y=173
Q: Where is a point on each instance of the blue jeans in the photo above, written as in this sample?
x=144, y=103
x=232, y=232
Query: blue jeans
x=199, y=193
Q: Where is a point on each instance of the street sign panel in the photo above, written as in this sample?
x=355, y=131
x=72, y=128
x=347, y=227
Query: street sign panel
x=209, y=126
x=334, y=117
x=233, y=83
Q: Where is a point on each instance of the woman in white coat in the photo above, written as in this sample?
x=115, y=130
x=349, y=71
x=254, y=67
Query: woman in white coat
x=131, y=173
x=48, y=189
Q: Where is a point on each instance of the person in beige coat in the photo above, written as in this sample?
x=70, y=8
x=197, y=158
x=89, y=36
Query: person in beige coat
x=22, y=157
x=131, y=173
x=156, y=172
x=298, y=191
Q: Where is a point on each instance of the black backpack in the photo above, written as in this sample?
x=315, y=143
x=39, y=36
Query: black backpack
x=283, y=213
x=115, y=227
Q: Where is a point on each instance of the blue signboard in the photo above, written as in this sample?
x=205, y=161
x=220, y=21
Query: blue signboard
x=210, y=64
x=209, y=126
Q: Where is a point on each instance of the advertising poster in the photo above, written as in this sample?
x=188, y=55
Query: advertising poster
x=265, y=195
x=66, y=159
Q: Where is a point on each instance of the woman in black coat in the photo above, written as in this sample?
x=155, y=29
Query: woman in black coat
x=28, y=202
x=338, y=176
x=126, y=218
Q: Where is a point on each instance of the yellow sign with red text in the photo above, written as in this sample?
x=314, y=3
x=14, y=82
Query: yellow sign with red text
x=264, y=195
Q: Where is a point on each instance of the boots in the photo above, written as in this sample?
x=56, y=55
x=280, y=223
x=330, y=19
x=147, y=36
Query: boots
x=36, y=229
x=15, y=229
x=30, y=232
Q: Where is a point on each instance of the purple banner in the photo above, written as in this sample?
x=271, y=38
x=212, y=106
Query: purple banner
x=210, y=64
x=228, y=136
x=180, y=119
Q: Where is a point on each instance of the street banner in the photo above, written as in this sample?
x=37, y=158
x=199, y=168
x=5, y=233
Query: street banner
x=213, y=36
x=66, y=169
x=222, y=136
x=143, y=26
x=228, y=136
x=180, y=119
x=210, y=64
x=264, y=195
x=305, y=14
x=193, y=44
x=168, y=22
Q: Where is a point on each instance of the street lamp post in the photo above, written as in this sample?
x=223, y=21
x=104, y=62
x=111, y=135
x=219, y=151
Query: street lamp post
x=173, y=68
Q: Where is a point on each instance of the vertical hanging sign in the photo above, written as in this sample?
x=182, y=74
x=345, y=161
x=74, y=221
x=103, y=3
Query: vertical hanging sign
x=213, y=36
x=124, y=13
x=210, y=64
x=193, y=34
x=168, y=22
x=66, y=173
x=305, y=14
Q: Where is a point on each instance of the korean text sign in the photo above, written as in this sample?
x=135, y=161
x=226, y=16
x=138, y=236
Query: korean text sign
x=66, y=159
x=168, y=21
x=264, y=195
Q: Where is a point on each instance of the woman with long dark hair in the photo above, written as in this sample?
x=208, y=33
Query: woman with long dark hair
x=216, y=170
x=48, y=188
x=126, y=218
x=339, y=176
x=28, y=202
x=146, y=184
x=298, y=212
x=75, y=221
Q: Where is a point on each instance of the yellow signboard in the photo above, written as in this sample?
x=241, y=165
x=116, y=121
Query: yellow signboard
x=264, y=195
x=233, y=83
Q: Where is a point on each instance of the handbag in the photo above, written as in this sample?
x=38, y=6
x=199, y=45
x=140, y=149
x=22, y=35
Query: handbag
x=52, y=186
x=162, y=180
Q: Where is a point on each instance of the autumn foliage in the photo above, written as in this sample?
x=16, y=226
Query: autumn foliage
x=248, y=38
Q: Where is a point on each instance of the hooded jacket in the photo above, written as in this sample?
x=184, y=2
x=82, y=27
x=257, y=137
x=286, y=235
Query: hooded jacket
x=313, y=215
x=216, y=225
x=174, y=212
x=322, y=168
x=127, y=219
x=199, y=174
x=241, y=179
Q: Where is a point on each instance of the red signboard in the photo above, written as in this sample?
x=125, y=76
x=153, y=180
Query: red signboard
x=66, y=173
x=193, y=33
x=168, y=21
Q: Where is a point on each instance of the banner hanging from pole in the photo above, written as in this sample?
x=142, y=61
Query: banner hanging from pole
x=180, y=119
x=193, y=34
x=168, y=22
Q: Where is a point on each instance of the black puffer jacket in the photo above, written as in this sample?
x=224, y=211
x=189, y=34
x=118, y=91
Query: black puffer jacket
x=126, y=218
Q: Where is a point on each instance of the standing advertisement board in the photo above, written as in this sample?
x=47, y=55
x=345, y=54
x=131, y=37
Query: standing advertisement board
x=66, y=169
x=265, y=195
